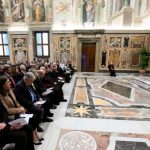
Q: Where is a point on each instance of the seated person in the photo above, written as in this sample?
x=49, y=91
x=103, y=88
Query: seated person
x=12, y=106
x=29, y=97
x=22, y=136
x=112, y=69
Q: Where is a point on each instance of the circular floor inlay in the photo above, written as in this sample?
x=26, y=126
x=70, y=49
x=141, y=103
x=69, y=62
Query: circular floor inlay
x=77, y=140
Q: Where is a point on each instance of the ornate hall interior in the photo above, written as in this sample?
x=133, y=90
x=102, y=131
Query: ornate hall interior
x=102, y=112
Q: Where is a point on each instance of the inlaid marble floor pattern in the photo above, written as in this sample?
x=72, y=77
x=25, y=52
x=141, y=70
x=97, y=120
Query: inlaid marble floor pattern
x=102, y=113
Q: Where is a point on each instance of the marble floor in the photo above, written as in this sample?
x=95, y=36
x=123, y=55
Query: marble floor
x=102, y=113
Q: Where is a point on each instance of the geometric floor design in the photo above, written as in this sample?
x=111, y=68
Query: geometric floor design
x=102, y=113
x=112, y=98
x=88, y=140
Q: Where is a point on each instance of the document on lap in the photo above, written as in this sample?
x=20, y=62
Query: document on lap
x=21, y=121
x=48, y=91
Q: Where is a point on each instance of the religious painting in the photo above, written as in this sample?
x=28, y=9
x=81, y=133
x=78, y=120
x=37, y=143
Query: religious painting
x=137, y=41
x=115, y=42
x=17, y=10
x=88, y=11
x=64, y=42
x=2, y=18
x=104, y=42
x=135, y=59
x=19, y=42
x=65, y=55
x=38, y=12
x=56, y=56
x=20, y=56
x=62, y=13
x=114, y=57
x=74, y=58
x=125, y=59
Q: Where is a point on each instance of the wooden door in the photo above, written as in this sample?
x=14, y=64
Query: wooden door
x=88, y=57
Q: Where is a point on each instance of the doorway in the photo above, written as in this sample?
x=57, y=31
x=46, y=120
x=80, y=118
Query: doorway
x=88, y=57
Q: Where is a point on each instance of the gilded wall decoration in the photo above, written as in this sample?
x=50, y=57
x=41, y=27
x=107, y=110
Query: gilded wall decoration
x=20, y=48
x=114, y=57
x=17, y=10
x=38, y=12
x=137, y=41
x=148, y=43
x=2, y=18
x=56, y=55
x=74, y=58
x=64, y=42
x=20, y=56
x=65, y=55
x=104, y=42
x=135, y=59
x=125, y=59
x=115, y=42
x=19, y=42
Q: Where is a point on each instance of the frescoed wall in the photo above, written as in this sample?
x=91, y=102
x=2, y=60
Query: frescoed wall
x=62, y=12
x=17, y=10
x=77, y=14
x=38, y=11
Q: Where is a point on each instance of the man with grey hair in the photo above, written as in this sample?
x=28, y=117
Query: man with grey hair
x=27, y=96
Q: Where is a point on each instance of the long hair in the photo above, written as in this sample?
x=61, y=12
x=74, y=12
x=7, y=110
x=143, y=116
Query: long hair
x=3, y=80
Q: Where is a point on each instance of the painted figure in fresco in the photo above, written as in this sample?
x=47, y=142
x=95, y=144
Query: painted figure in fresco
x=18, y=10
x=2, y=19
x=38, y=10
x=114, y=57
x=119, y=5
x=125, y=59
x=88, y=11
x=105, y=42
x=115, y=42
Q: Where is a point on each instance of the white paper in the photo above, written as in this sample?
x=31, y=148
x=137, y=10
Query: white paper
x=26, y=115
x=60, y=78
x=48, y=91
x=40, y=102
x=21, y=121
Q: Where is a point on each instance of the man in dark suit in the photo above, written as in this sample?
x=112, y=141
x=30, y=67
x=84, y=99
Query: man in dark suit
x=27, y=96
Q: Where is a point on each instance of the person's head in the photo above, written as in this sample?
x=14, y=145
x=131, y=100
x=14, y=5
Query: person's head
x=7, y=69
x=29, y=78
x=41, y=73
x=54, y=67
x=22, y=68
x=5, y=85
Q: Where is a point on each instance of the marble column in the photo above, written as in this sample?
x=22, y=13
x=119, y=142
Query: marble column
x=137, y=11
x=126, y=3
x=80, y=10
x=30, y=46
x=148, y=6
x=137, y=8
x=109, y=12
x=97, y=14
